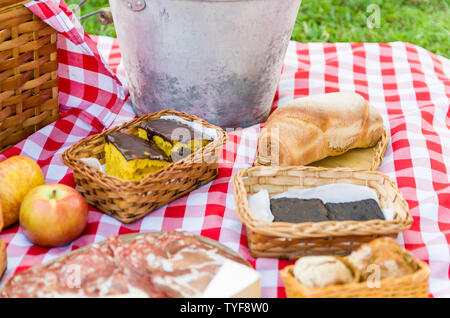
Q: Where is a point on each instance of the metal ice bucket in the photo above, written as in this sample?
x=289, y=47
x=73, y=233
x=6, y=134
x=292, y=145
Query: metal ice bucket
x=217, y=59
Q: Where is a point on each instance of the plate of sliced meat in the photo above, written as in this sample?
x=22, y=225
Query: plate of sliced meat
x=169, y=264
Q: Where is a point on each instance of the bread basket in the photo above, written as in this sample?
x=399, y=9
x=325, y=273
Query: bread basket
x=292, y=240
x=128, y=201
x=359, y=158
x=28, y=67
x=409, y=286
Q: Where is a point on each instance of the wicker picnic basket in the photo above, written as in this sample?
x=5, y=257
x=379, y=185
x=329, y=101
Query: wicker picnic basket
x=293, y=240
x=365, y=159
x=409, y=286
x=28, y=73
x=128, y=201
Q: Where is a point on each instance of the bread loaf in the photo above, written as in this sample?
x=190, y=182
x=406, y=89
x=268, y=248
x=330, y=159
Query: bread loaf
x=309, y=129
x=322, y=271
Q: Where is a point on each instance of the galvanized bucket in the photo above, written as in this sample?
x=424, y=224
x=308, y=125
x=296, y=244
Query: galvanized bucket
x=217, y=59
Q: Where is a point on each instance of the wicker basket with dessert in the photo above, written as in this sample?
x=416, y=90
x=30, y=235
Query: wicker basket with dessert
x=130, y=170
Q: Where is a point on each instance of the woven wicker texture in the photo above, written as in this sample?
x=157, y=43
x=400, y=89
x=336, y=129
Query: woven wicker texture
x=28, y=74
x=372, y=157
x=290, y=240
x=128, y=201
x=408, y=286
x=11, y=3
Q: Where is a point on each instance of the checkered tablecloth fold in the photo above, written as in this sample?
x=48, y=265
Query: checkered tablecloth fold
x=87, y=86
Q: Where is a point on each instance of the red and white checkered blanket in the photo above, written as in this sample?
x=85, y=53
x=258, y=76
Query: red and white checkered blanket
x=407, y=84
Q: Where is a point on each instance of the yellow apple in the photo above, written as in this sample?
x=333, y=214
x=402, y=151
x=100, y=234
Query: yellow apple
x=53, y=215
x=18, y=175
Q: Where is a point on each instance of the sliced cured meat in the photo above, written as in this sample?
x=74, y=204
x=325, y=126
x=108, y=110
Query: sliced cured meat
x=182, y=265
x=130, y=262
x=68, y=276
x=169, y=264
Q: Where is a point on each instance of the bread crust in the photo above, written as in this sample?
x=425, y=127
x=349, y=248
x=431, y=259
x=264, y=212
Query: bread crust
x=312, y=128
x=3, y=259
x=383, y=256
x=322, y=271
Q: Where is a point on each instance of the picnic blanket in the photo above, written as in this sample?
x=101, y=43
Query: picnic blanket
x=409, y=85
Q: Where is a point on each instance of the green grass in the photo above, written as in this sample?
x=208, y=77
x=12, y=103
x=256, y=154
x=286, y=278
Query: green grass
x=426, y=24
x=421, y=22
x=91, y=24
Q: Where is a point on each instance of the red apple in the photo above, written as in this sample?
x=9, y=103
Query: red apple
x=53, y=215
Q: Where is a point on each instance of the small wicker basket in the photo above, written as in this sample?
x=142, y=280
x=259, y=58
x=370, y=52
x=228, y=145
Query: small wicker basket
x=28, y=73
x=409, y=286
x=364, y=159
x=128, y=201
x=293, y=240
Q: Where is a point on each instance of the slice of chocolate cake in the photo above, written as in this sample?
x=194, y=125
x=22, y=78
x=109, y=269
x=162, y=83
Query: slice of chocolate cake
x=294, y=210
x=131, y=158
x=133, y=147
x=363, y=210
x=176, y=139
x=166, y=129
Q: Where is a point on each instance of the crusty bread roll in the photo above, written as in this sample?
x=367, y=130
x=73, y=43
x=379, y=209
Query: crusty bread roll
x=385, y=255
x=322, y=271
x=2, y=258
x=309, y=129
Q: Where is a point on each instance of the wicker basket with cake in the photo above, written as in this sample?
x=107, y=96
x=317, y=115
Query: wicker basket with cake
x=320, y=210
x=147, y=162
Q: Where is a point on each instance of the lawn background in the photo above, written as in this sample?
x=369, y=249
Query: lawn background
x=421, y=22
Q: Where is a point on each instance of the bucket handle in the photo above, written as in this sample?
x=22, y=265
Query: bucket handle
x=104, y=15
